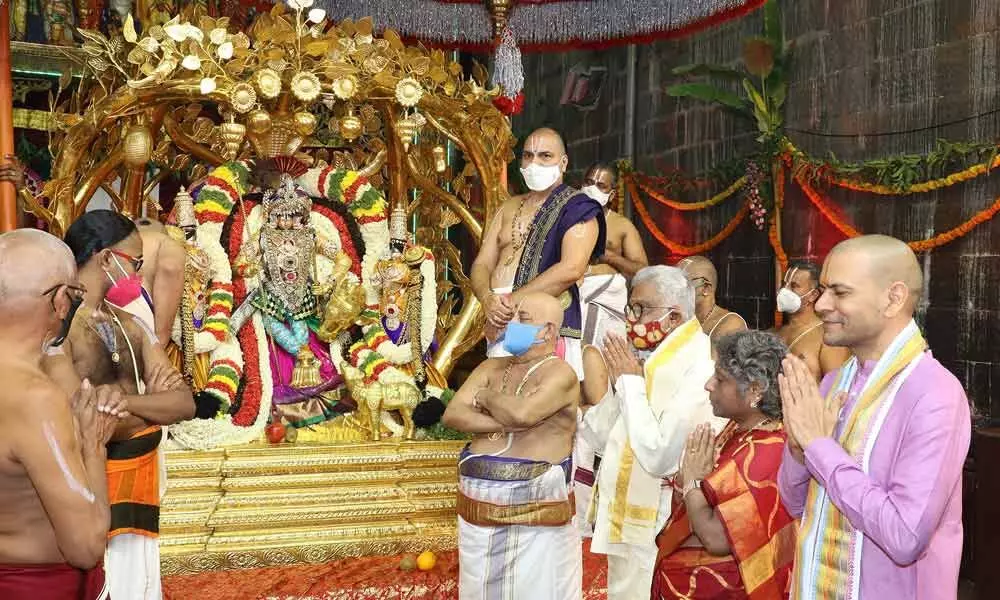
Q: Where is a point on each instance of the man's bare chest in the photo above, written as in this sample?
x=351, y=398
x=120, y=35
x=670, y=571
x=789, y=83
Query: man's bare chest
x=105, y=356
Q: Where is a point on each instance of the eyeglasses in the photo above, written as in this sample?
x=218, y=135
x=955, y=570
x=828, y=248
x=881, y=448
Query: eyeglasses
x=136, y=262
x=694, y=282
x=76, y=291
x=634, y=310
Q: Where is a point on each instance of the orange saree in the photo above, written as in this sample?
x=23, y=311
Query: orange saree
x=744, y=491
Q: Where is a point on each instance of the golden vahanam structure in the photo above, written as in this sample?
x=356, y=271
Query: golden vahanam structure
x=191, y=94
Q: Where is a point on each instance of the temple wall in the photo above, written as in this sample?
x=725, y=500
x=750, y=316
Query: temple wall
x=869, y=66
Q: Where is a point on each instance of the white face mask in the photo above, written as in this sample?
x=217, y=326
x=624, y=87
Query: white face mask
x=540, y=178
x=594, y=192
x=788, y=301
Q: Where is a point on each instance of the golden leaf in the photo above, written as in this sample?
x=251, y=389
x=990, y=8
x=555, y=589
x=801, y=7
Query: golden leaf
x=149, y=44
x=437, y=57
x=336, y=70
x=454, y=68
x=273, y=53
x=137, y=56
x=241, y=41
x=347, y=25
x=317, y=47
x=128, y=30
x=420, y=65
x=392, y=38
x=93, y=49
x=438, y=74
x=479, y=73
x=385, y=79
x=365, y=26
x=449, y=87
x=98, y=64
x=382, y=45
x=222, y=22
x=376, y=63
x=156, y=32
x=94, y=36
x=206, y=23
x=147, y=68
x=278, y=9
x=202, y=129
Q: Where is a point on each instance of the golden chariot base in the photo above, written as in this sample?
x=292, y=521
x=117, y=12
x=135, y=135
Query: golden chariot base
x=258, y=505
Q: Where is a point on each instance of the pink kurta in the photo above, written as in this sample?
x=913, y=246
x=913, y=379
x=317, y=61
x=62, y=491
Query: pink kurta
x=909, y=505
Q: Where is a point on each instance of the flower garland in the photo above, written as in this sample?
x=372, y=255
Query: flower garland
x=883, y=190
x=689, y=206
x=772, y=232
x=365, y=204
x=823, y=204
x=674, y=247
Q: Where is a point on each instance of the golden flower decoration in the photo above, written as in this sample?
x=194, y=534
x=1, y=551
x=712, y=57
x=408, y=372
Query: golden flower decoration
x=305, y=86
x=268, y=83
x=243, y=97
x=345, y=87
x=409, y=91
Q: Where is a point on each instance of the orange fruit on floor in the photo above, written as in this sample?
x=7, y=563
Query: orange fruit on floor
x=426, y=561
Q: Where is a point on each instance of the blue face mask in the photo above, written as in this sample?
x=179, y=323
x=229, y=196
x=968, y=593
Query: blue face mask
x=520, y=337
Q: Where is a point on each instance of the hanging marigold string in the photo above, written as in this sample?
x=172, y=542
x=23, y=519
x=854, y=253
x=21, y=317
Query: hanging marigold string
x=773, y=235
x=688, y=206
x=823, y=204
x=681, y=249
x=803, y=164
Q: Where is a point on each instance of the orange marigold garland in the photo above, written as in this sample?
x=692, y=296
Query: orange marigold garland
x=917, y=246
x=674, y=247
x=802, y=164
x=772, y=232
x=689, y=206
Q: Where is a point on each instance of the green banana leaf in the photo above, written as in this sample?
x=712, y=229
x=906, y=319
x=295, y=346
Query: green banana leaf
x=772, y=25
x=709, y=93
x=721, y=71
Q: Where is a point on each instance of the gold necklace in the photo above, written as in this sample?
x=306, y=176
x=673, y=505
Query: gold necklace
x=518, y=234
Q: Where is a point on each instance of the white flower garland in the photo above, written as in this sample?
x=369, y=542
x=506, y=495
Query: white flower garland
x=206, y=434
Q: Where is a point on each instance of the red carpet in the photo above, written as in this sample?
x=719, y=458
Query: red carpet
x=370, y=578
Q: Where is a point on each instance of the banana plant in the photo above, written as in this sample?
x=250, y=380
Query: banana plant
x=763, y=79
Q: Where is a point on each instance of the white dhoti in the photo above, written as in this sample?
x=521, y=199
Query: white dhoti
x=567, y=348
x=516, y=537
x=583, y=477
x=133, y=567
x=603, y=298
x=630, y=576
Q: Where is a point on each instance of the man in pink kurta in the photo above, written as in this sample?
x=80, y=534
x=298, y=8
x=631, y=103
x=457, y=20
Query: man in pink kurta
x=900, y=490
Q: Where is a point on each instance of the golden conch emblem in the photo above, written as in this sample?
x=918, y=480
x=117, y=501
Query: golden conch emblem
x=231, y=135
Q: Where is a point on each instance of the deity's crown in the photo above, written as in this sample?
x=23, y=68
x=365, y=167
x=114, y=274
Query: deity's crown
x=287, y=200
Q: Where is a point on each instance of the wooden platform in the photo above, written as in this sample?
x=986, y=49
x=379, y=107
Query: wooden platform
x=259, y=506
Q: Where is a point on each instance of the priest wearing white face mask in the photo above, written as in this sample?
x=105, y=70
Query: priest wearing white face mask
x=802, y=331
x=642, y=425
x=541, y=241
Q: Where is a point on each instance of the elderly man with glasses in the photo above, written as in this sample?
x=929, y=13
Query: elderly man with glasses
x=643, y=422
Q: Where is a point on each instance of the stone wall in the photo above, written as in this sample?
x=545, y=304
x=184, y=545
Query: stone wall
x=860, y=66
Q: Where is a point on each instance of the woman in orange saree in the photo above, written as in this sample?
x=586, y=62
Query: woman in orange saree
x=729, y=536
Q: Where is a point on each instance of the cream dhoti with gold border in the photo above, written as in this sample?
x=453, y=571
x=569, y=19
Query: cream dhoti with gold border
x=516, y=537
x=643, y=427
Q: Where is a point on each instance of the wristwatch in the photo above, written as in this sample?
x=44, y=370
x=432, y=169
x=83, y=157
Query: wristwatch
x=690, y=487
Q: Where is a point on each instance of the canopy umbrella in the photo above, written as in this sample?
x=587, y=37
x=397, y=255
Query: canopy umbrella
x=509, y=26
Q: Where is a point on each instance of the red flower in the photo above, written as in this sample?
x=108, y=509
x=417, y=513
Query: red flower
x=510, y=106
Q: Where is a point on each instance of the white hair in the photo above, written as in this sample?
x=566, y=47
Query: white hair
x=31, y=260
x=671, y=285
